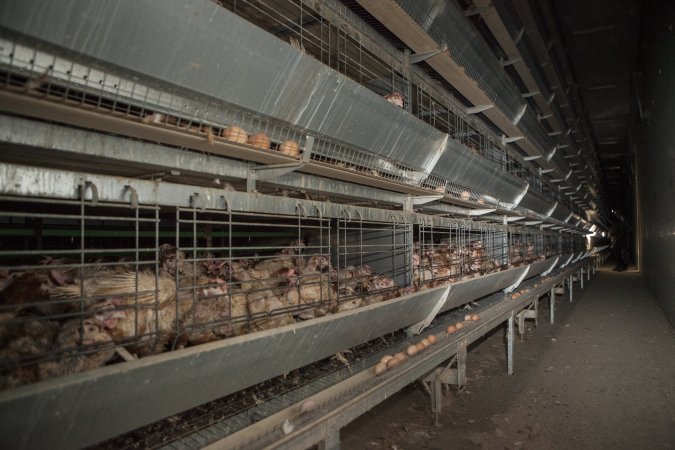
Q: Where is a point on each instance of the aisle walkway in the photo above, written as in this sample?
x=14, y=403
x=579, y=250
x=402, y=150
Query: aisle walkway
x=602, y=377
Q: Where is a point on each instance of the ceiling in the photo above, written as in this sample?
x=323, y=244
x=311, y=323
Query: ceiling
x=601, y=39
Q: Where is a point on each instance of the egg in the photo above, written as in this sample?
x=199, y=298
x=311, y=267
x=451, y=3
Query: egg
x=459, y=325
x=236, y=134
x=467, y=317
x=514, y=296
x=290, y=148
x=420, y=347
x=475, y=317
x=401, y=356
x=412, y=350
x=465, y=195
x=309, y=405
x=385, y=359
x=432, y=339
x=451, y=329
x=393, y=362
x=425, y=342
x=380, y=368
x=259, y=140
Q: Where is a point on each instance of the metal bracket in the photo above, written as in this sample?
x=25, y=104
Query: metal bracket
x=550, y=99
x=413, y=200
x=479, y=212
x=533, y=222
x=133, y=195
x=528, y=313
x=508, y=140
x=530, y=94
x=419, y=326
x=541, y=117
x=419, y=57
x=531, y=158
x=269, y=173
x=555, y=133
x=543, y=171
x=89, y=185
x=509, y=62
x=520, y=279
x=478, y=109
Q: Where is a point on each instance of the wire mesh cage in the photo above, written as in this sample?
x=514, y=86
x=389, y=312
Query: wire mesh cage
x=85, y=284
x=446, y=254
x=372, y=261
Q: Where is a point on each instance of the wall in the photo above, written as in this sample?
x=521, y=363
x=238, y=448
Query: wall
x=654, y=141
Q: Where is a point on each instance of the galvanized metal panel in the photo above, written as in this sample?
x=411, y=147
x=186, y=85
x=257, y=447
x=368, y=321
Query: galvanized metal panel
x=446, y=23
x=565, y=259
x=466, y=291
x=202, y=47
x=537, y=202
x=463, y=166
x=82, y=409
x=539, y=267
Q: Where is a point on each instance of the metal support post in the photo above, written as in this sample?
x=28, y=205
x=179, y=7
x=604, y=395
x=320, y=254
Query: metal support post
x=588, y=272
x=461, y=365
x=571, y=285
x=509, y=344
x=436, y=398
x=581, y=277
x=552, y=304
x=331, y=441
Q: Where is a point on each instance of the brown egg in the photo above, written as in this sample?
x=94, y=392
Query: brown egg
x=290, y=148
x=467, y=317
x=236, y=134
x=425, y=342
x=459, y=325
x=420, y=347
x=466, y=195
x=401, y=356
x=514, y=296
x=412, y=350
x=432, y=339
x=451, y=329
x=475, y=317
x=260, y=140
x=385, y=359
x=380, y=368
x=393, y=362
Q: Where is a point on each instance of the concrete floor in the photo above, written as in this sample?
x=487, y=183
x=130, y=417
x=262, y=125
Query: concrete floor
x=602, y=377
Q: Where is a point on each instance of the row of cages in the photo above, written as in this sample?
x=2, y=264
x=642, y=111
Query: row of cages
x=40, y=74
x=366, y=62
x=79, y=281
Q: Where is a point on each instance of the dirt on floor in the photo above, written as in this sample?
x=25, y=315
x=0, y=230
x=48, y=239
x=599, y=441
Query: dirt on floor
x=603, y=376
